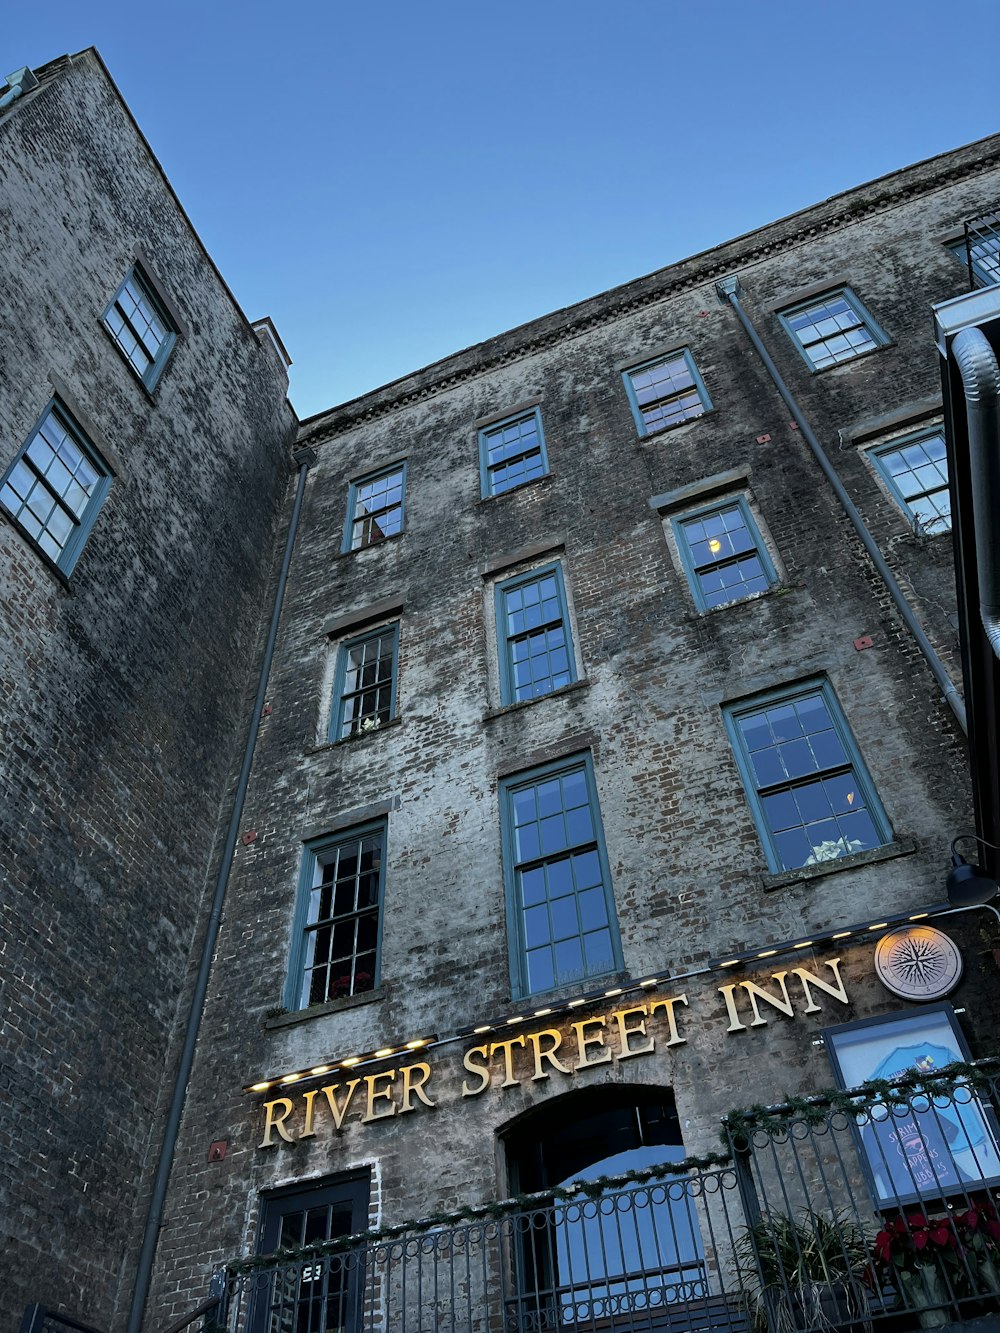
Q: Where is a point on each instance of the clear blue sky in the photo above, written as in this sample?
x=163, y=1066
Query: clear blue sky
x=393, y=181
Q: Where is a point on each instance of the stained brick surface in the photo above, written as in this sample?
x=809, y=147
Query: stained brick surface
x=689, y=876
x=123, y=687
x=125, y=700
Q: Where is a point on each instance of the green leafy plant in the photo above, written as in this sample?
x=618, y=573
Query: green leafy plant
x=808, y=1271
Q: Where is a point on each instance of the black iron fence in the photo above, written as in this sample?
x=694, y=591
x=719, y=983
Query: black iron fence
x=982, y=249
x=845, y=1211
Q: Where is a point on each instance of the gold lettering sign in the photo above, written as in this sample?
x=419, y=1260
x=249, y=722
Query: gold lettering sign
x=640, y=1028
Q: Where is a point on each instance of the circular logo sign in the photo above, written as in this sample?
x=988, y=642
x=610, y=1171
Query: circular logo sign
x=918, y=963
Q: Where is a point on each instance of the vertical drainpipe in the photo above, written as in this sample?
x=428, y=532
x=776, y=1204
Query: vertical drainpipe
x=154, y=1217
x=729, y=292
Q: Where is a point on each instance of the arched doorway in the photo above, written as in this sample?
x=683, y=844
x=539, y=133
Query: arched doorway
x=602, y=1256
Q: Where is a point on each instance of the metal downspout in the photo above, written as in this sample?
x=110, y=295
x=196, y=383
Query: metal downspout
x=154, y=1216
x=977, y=365
x=728, y=290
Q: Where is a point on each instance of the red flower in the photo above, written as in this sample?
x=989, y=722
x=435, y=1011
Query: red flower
x=919, y=1240
x=883, y=1246
x=915, y=1220
x=941, y=1234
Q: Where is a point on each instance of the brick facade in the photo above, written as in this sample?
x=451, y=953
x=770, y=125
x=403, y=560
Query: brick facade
x=134, y=726
x=689, y=877
x=124, y=684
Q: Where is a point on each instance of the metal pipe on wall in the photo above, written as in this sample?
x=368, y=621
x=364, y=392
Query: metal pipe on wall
x=729, y=292
x=154, y=1215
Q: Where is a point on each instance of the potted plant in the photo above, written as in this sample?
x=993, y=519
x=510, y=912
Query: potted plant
x=812, y=1271
x=933, y=1261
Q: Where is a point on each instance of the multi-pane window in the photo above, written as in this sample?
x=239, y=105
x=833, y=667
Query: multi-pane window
x=560, y=906
x=831, y=329
x=916, y=470
x=324, y=1293
x=984, y=253
x=535, y=650
x=810, y=793
x=666, y=392
x=365, y=693
x=338, y=926
x=511, y=453
x=725, y=558
x=141, y=327
x=375, y=508
x=55, y=486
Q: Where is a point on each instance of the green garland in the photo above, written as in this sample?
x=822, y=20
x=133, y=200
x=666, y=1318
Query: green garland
x=591, y=1189
x=739, y=1125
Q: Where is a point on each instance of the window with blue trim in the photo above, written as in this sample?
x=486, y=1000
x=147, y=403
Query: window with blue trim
x=365, y=691
x=984, y=251
x=535, y=648
x=375, y=508
x=724, y=554
x=916, y=472
x=141, y=327
x=810, y=793
x=55, y=486
x=666, y=392
x=561, y=911
x=512, y=452
x=831, y=329
x=337, y=927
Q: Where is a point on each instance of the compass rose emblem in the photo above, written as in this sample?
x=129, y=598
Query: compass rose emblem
x=918, y=963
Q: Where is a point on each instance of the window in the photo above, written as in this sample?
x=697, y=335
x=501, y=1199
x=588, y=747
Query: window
x=323, y=1291
x=375, y=508
x=916, y=471
x=141, y=327
x=635, y=1249
x=560, y=908
x=832, y=329
x=55, y=486
x=723, y=553
x=337, y=928
x=511, y=453
x=365, y=693
x=984, y=250
x=808, y=789
x=666, y=392
x=534, y=646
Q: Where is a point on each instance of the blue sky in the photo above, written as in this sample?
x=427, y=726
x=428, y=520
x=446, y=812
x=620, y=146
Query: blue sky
x=391, y=182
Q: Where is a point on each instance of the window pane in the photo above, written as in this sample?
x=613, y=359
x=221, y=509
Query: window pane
x=562, y=892
x=831, y=330
x=666, y=393
x=806, y=822
x=52, y=490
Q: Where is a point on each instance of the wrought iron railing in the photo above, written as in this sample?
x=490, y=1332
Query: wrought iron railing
x=844, y=1211
x=982, y=249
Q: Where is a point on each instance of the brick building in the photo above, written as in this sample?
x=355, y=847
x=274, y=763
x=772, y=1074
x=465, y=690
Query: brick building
x=613, y=726
x=145, y=462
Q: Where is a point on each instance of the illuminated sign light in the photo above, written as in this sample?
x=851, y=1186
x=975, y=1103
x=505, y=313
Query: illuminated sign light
x=748, y=958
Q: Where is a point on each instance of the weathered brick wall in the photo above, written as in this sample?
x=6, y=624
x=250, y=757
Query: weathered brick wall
x=124, y=687
x=686, y=863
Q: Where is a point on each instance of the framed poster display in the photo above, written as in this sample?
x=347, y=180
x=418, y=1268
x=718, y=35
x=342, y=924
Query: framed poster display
x=922, y=1147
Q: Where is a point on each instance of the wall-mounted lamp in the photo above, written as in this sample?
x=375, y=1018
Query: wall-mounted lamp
x=968, y=886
